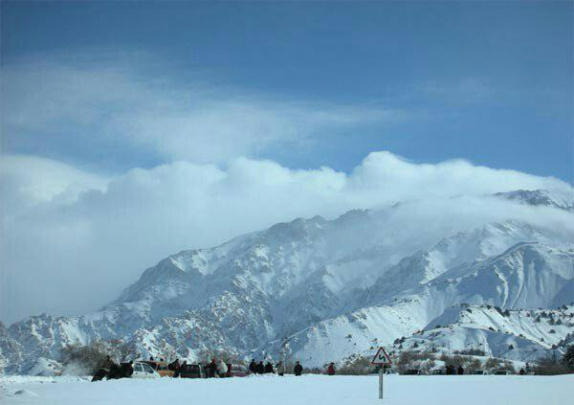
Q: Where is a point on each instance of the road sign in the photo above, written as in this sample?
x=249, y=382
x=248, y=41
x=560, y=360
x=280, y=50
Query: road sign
x=381, y=358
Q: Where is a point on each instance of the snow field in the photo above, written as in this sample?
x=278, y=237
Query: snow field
x=310, y=389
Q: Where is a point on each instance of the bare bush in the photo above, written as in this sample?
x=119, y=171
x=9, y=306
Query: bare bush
x=549, y=366
x=84, y=359
x=359, y=366
x=227, y=355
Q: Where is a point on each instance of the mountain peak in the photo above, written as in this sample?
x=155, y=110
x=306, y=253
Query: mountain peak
x=546, y=198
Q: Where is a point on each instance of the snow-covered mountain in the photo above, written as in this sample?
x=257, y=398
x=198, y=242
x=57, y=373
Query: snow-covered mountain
x=514, y=334
x=541, y=198
x=333, y=288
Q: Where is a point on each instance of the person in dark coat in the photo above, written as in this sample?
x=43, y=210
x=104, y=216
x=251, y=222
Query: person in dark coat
x=179, y=370
x=107, y=363
x=126, y=370
x=260, y=368
x=460, y=370
x=115, y=372
x=253, y=367
x=100, y=374
x=298, y=369
x=176, y=368
x=104, y=370
x=212, y=369
x=331, y=369
x=269, y=368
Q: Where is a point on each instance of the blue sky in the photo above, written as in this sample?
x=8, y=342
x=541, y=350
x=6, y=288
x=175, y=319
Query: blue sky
x=491, y=82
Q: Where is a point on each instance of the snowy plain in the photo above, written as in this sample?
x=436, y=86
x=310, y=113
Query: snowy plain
x=310, y=389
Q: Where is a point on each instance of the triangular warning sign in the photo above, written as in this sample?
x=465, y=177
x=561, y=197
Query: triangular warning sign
x=382, y=358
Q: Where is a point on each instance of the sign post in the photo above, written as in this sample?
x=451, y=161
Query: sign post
x=381, y=382
x=381, y=359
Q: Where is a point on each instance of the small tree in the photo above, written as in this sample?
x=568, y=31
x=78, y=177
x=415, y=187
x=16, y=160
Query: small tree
x=568, y=359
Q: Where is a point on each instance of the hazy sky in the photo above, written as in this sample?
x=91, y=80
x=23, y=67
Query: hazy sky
x=131, y=130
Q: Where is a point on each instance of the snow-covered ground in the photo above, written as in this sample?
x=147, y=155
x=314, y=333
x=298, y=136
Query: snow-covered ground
x=311, y=389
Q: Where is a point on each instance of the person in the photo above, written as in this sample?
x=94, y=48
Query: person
x=150, y=358
x=522, y=372
x=221, y=368
x=212, y=369
x=115, y=371
x=126, y=370
x=298, y=369
x=280, y=369
x=173, y=366
x=107, y=363
x=260, y=368
x=253, y=367
x=104, y=370
x=176, y=368
x=460, y=370
x=179, y=370
x=99, y=375
x=269, y=368
x=331, y=369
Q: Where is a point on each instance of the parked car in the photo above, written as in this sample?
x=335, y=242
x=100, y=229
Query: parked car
x=192, y=371
x=144, y=370
x=161, y=367
x=237, y=370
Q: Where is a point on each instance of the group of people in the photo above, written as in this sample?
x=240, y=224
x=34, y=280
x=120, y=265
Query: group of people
x=217, y=368
x=111, y=370
x=268, y=368
x=213, y=369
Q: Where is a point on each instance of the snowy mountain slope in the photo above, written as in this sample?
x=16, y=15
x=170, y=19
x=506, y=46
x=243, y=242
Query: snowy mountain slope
x=335, y=287
x=512, y=334
x=464, y=247
x=528, y=275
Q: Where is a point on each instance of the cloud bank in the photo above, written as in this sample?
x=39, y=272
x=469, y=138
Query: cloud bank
x=121, y=107
x=75, y=239
x=80, y=223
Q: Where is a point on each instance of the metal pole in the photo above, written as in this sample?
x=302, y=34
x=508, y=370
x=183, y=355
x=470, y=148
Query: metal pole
x=380, y=382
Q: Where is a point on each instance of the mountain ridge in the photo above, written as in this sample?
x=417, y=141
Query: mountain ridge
x=316, y=282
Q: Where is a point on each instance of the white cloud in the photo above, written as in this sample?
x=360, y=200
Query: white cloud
x=93, y=236
x=91, y=102
x=71, y=240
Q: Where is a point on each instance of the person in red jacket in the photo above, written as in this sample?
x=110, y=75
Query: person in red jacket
x=331, y=369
